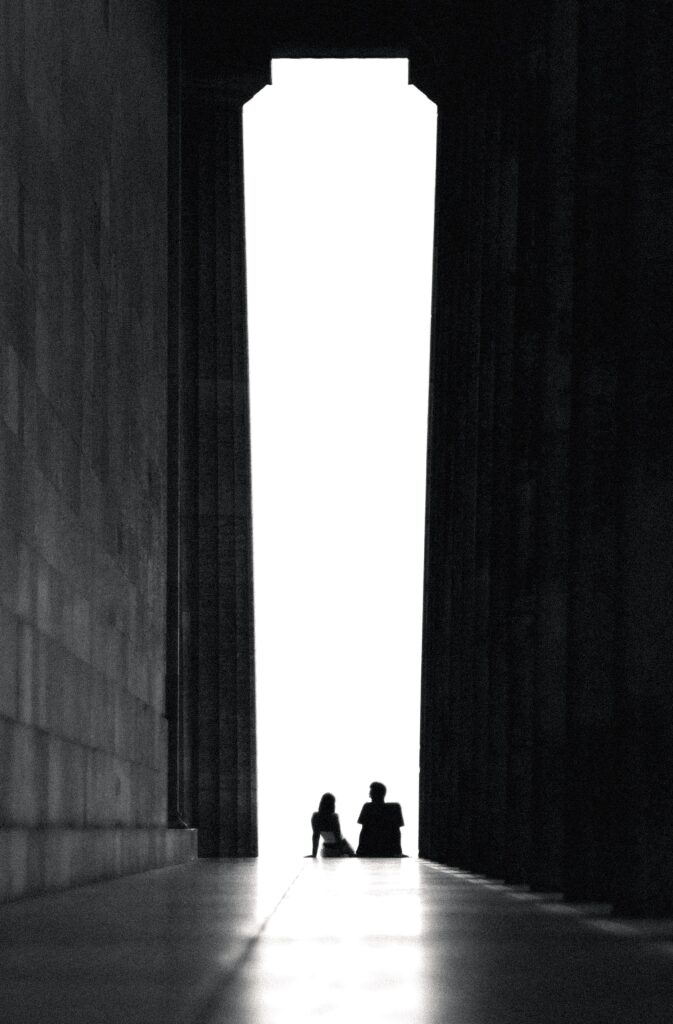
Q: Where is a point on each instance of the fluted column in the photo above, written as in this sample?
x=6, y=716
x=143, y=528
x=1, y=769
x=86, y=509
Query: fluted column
x=463, y=716
x=556, y=257
x=466, y=358
x=460, y=469
x=525, y=453
x=507, y=87
x=645, y=618
x=438, y=753
x=434, y=811
x=487, y=332
x=217, y=443
x=446, y=718
x=599, y=289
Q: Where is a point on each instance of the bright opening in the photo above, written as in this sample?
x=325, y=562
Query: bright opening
x=339, y=186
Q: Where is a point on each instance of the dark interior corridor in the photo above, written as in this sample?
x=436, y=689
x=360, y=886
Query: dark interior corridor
x=127, y=696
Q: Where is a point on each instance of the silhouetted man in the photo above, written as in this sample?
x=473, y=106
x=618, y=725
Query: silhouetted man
x=381, y=823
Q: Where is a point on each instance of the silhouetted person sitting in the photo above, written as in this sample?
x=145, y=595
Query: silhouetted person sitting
x=325, y=825
x=381, y=823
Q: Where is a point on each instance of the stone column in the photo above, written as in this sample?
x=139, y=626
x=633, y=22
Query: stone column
x=489, y=323
x=645, y=623
x=443, y=801
x=466, y=355
x=434, y=819
x=217, y=450
x=436, y=807
x=501, y=507
x=525, y=452
x=599, y=288
x=555, y=258
x=457, y=743
x=541, y=422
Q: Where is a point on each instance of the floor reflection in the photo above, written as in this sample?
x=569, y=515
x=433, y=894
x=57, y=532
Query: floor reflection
x=407, y=941
x=265, y=942
x=343, y=946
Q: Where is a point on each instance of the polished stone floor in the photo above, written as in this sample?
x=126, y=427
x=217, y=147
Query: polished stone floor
x=247, y=942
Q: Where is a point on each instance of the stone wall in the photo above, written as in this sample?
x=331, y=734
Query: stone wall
x=82, y=442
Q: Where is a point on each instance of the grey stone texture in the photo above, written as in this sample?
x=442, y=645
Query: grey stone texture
x=82, y=442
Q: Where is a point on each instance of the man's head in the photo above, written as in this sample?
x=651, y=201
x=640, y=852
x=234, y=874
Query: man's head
x=377, y=792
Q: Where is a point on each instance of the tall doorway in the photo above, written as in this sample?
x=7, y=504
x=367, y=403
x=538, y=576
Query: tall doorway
x=339, y=187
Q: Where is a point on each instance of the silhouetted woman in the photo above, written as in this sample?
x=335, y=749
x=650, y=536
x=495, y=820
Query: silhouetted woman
x=325, y=825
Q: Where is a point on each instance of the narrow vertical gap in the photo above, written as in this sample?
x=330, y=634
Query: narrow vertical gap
x=339, y=178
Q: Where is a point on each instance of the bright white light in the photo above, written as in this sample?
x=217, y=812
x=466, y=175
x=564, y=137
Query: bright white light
x=339, y=181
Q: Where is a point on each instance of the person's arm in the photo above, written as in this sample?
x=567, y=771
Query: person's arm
x=315, y=836
x=336, y=828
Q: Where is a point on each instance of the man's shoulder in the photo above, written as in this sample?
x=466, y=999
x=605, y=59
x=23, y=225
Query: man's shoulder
x=365, y=812
x=394, y=812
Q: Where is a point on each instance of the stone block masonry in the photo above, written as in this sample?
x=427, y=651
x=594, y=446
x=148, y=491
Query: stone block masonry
x=83, y=171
